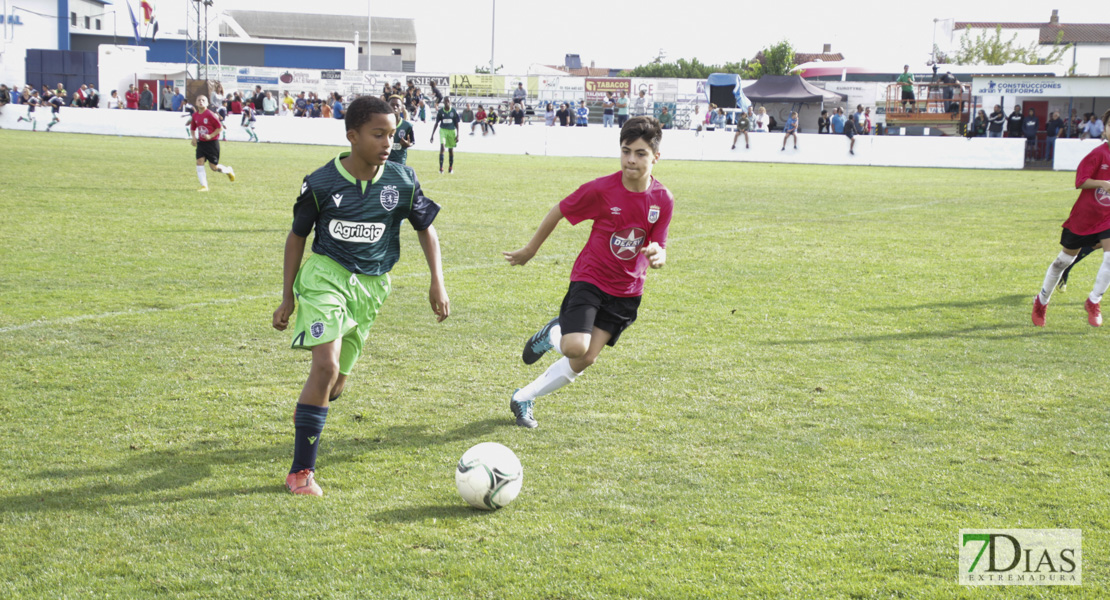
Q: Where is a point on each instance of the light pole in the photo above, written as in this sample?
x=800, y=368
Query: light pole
x=492, y=32
x=369, y=36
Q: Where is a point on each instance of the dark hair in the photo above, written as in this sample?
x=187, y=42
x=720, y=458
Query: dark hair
x=363, y=108
x=642, y=128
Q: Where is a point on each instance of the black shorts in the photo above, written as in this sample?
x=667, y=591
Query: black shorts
x=209, y=151
x=585, y=306
x=1073, y=241
x=907, y=95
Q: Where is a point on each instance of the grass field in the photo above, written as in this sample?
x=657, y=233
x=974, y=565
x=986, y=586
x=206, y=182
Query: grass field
x=834, y=373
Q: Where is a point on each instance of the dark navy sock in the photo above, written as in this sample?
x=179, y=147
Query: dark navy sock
x=440, y=161
x=309, y=422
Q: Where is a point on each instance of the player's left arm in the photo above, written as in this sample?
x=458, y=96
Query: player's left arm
x=656, y=251
x=437, y=292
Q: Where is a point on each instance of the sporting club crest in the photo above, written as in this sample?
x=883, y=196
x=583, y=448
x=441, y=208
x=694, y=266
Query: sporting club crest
x=653, y=213
x=626, y=243
x=317, y=329
x=390, y=197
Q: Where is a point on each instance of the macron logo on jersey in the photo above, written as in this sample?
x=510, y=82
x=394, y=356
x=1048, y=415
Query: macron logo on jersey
x=626, y=243
x=362, y=233
x=337, y=198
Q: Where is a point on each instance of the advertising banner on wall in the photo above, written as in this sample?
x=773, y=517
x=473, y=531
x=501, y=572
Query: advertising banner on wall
x=424, y=82
x=477, y=85
x=596, y=87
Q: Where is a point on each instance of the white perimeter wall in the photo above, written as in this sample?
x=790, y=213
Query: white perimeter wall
x=536, y=139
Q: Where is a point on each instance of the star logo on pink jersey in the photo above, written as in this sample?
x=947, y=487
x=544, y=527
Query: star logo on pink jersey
x=626, y=243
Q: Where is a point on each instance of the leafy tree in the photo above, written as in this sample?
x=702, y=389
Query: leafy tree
x=689, y=69
x=776, y=60
x=485, y=70
x=986, y=49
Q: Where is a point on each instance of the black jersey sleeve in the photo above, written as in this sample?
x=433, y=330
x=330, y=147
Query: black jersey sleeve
x=423, y=210
x=305, y=211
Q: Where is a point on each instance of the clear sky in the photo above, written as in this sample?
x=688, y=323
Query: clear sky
x=454, y=35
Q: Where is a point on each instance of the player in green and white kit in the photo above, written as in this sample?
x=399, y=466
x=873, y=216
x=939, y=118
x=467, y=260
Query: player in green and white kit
x=447, y=119
x=356, y=204
x=405, y=137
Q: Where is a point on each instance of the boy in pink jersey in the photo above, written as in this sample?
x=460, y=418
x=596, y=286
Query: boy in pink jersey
x=1087, y=225
x=631, y=212
x=204, y=128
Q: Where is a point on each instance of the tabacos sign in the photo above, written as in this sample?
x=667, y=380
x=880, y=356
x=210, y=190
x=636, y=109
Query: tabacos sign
x=596, y=87
x=1021, y=557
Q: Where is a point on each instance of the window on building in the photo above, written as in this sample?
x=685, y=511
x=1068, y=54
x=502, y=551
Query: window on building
x=73, y=19
x=360, y=50
x=1104, y=66
x=396, y=52
x=98, y=24
x=88, y=22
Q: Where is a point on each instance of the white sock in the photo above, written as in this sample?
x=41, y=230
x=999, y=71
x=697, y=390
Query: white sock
x=222, y=168
x=555, y=336
x=202, y=176
x=1052, y=277
x=555, y=377
x=1102, y=280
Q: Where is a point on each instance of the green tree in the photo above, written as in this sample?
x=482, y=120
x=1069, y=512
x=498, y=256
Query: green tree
x=986, y=49
x=689, y=69
x=485, y=70
x=776, y=60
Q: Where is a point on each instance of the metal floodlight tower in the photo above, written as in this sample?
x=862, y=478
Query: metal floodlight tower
x=202, y=40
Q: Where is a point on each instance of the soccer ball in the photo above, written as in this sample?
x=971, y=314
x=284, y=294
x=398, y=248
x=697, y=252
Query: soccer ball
x=489, y=476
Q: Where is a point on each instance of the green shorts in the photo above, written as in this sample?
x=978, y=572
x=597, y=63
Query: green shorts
x=447, y=137
x=333, y=303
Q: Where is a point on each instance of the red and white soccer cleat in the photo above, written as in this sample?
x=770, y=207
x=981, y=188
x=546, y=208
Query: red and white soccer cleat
x=1038, y=311
x=1094, y=313
x=303, y=483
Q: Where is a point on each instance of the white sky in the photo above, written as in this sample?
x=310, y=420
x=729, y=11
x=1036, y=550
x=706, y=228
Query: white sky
x=454, y=35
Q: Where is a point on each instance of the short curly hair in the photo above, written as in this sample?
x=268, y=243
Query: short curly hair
x=362, y=110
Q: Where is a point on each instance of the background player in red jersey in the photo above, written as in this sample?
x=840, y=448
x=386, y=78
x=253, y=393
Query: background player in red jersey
x=205, y=129
x=1087, y=225
x=631, y=212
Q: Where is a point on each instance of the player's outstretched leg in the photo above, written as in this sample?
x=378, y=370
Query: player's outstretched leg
x=1051, y=277
x=451, y=161
x=1063, y=284
x=541, y=342
x=555, y=377
x=441, y=160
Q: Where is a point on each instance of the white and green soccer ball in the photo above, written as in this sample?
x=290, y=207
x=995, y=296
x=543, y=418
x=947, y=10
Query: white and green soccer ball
x=489, y=476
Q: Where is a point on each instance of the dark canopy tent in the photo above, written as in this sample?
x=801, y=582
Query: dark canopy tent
x=789, y=89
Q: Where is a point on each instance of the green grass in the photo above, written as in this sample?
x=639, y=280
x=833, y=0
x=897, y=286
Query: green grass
x=833, y=375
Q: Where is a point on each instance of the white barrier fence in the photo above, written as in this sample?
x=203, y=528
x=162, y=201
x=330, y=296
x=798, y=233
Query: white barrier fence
x=597, y=141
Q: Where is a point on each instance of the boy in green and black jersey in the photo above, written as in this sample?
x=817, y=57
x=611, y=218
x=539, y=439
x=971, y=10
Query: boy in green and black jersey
x=356, y=204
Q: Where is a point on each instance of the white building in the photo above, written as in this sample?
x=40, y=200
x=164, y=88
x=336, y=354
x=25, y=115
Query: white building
x=1090, y=42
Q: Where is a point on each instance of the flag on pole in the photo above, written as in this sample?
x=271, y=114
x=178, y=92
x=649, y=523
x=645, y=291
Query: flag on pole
x=148, y=17
x=134, y=23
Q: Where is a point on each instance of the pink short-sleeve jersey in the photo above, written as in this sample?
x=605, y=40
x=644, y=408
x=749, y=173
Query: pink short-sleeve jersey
x=207, y=125
x=624, y=222
x=1091, y=212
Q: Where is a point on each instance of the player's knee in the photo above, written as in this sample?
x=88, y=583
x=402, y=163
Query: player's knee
x=574, y=349
x=1062, y=263
x=326, y=370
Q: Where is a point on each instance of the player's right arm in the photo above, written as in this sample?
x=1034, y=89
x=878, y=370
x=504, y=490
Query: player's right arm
x=525, y=254
x=294, y=252
x=305, y=212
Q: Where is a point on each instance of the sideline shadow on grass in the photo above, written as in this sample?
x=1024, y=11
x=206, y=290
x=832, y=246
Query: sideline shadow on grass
x=1011, y=300
x=984, y=332
x=172, y=474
